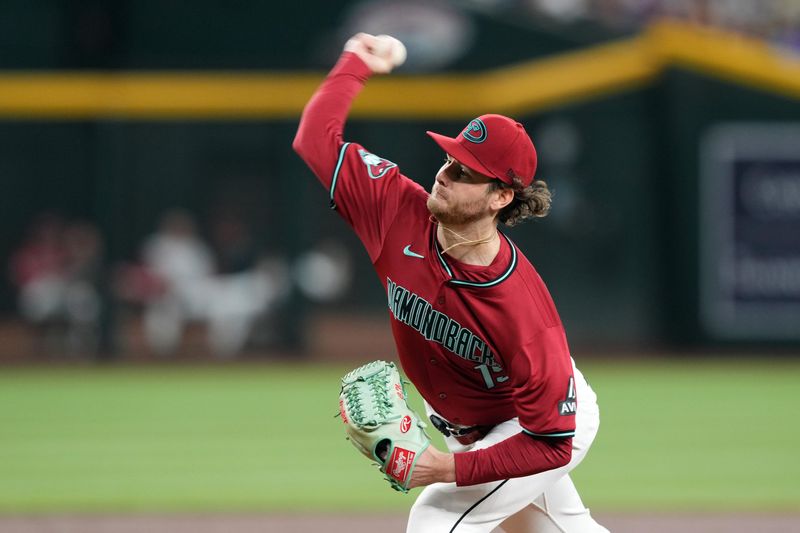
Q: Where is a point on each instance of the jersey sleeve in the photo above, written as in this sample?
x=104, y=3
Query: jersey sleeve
x=544, y=385
x=319, y=135
x=368, y=191
x=365, y=189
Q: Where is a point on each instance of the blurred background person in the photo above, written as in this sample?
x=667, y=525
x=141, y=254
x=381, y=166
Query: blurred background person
x=247, y=289
x=86, y=300
x=60, y=275
x=184, y=264
x=38, y=271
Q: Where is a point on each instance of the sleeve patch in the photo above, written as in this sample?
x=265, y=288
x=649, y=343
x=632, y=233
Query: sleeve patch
x=377, y=167
x=569, y=405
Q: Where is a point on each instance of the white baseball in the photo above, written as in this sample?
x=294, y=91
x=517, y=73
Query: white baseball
x=390, y=48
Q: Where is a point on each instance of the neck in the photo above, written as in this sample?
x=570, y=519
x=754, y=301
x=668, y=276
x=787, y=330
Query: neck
x=476, y=243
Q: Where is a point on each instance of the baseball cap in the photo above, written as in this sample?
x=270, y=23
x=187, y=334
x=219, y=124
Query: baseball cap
x=494, y=145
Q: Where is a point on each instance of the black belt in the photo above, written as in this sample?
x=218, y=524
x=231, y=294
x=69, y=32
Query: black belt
x=448, y=430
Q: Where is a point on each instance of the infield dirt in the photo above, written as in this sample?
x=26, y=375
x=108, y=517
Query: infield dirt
x=615, y=522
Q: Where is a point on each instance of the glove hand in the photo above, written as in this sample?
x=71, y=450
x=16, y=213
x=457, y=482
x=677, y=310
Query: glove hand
x=379, y=422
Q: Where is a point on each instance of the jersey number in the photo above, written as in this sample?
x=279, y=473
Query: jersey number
x=488, y=379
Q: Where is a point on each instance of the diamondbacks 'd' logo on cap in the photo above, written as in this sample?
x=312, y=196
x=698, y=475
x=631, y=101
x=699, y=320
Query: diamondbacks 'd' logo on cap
x=475, y=132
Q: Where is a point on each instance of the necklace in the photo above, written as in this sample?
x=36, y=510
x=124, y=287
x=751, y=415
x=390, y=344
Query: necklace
x=465, y=241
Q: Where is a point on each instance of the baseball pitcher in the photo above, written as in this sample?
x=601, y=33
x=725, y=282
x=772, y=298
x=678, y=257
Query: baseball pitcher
x=475, y=327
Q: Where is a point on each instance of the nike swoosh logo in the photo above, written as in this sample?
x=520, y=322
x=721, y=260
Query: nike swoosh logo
x=407, y=251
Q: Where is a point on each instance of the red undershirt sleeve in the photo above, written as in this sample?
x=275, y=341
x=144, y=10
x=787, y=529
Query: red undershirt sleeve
x=518, y=456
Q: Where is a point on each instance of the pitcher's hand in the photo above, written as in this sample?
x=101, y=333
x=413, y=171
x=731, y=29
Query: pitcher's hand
x=373, y=50
x=433, y=467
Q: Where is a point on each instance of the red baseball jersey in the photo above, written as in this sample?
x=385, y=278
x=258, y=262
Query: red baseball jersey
x=482, y=344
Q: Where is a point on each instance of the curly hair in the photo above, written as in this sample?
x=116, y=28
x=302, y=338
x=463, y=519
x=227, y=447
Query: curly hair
x=532, y=201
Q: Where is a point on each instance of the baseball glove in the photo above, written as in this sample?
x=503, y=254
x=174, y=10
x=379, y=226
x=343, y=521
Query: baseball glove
x=379, y=422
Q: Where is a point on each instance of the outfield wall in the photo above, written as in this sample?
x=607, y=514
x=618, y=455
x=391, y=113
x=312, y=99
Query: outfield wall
x=620, y=128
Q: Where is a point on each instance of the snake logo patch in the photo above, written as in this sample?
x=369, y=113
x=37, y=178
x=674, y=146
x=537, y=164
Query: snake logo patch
x=475, y=132
x=377, y=167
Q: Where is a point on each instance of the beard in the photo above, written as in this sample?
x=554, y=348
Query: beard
x=458, y=214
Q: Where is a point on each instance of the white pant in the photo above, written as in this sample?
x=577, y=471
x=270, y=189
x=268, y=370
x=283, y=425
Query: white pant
x=542, y=503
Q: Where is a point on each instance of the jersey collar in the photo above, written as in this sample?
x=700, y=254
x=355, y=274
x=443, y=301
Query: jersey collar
x=512, y=264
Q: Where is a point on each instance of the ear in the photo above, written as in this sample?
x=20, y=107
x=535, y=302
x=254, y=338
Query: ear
x=501, y=198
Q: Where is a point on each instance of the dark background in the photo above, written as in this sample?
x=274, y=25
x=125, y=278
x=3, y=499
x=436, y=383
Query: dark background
x=620, y=251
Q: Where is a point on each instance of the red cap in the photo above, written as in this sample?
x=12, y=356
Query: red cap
x=493, y=145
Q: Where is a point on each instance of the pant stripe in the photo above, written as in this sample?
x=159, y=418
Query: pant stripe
x=474, y=505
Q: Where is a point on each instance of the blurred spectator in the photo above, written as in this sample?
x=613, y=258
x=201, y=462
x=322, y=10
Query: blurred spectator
x=60, y=275
x=182, y=263
x=227, y=285
x=85, y=289
x=248, y=289
x=242, y=299
x=37, y=270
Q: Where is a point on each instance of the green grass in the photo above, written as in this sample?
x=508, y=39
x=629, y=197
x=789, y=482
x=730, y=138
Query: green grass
x=688, y=435
x=674, y=436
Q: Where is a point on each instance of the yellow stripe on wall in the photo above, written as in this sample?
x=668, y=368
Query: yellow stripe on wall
x=523, y=88
x=571, y=77
x=732, y=57
x=150, y=95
